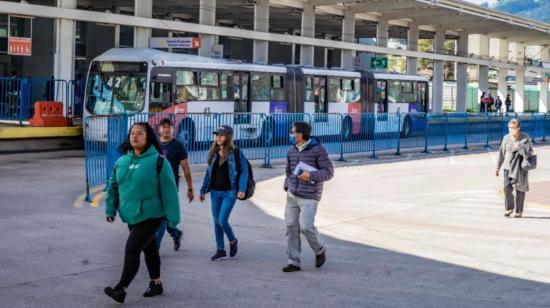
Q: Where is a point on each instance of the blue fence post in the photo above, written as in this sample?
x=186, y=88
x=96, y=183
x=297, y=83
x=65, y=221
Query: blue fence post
x=398, y=133
x=544, y=127
x=487, y=117
x=342, y=137
x=373, y=156
x=445, y=148
x=87, y=159
x=267, y=145
x=466, y=133
x=534, y=134
x=426, y=129
x=24, y=99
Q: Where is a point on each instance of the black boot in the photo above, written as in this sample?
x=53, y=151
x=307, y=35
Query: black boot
x=154, y=289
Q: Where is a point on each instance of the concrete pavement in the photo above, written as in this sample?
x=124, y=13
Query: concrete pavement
x=422, y=233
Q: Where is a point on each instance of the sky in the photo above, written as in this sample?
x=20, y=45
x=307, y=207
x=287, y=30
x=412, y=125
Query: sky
x=481, y=1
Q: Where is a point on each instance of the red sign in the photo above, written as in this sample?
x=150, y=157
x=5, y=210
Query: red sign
x=19, y=46
x=196, y=42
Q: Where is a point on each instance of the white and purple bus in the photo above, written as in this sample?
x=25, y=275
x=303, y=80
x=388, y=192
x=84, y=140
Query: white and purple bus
x=130, y=81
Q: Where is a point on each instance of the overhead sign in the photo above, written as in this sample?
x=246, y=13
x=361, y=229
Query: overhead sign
x=379, y=62
x=19, y=46
x=175, y=42
x=217, y=51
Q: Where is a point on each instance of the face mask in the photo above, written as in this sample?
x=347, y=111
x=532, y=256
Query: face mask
x=291, y=139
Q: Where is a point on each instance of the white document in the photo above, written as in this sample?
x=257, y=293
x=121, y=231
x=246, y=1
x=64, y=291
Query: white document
x=303, y=167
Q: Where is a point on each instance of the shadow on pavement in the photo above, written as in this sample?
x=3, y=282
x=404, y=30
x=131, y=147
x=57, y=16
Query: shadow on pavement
x=58, y=255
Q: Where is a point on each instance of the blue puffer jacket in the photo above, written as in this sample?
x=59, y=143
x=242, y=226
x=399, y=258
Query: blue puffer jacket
x=243, y=179
x=316, y=156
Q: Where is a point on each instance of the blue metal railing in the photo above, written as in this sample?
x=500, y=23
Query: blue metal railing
x=18, y=95
x=266, y=137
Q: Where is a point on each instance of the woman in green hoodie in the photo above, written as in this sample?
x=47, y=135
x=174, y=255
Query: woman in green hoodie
x=134, y=191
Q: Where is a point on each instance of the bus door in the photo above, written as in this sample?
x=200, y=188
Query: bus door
x=423, y=96
x=320, y=99
x=241, y=94
x=161, y=92
x=381, y=102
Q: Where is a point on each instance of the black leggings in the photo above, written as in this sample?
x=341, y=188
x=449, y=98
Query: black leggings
x=141, y=238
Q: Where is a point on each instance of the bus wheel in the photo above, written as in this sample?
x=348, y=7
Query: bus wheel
x=406, y=129
x=186, y=133
x=347, y=128
x=268, y=132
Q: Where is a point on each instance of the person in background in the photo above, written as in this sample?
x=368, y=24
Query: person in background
x=515, y=147
x=226, y=181
x=482, y=104
x=498, y=104
x=176, y=154
x=304, y=190
x=508, y=103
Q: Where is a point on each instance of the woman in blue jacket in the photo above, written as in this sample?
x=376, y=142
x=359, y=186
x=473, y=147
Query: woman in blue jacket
x=227, y=182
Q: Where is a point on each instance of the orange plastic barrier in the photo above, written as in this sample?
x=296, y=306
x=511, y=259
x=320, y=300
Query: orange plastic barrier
x=48, y=114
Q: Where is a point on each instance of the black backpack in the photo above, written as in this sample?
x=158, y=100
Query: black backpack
x=251, y=184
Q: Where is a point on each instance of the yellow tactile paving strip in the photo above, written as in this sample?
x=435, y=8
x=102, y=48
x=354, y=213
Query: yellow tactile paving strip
x=39, y=132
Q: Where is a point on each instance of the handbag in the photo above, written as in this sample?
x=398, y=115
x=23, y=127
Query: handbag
x=530, y=163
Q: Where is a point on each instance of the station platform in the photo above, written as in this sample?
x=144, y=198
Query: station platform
x=27, y=139
x=28, y=132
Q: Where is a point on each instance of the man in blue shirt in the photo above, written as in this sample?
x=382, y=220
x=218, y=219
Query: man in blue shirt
x=176, y=154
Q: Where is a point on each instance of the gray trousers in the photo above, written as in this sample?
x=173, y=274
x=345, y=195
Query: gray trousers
x=509, y=197
x=300, y=218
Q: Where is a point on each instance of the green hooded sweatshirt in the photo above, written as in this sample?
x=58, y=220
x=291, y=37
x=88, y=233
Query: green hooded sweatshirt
x=138, y=188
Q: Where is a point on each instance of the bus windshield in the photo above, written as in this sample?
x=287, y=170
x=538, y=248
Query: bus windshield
x=116, y=87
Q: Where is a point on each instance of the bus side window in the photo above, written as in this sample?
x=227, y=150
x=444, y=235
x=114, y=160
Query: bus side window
x=236, y=86
x=309, y=89
x=356, y=90
x=277, y=88
x=209, y=86
x=261, y=87
x=319, y=91
x=186, y=86
x=224, y=85
x=161, y=96
x=334, y=89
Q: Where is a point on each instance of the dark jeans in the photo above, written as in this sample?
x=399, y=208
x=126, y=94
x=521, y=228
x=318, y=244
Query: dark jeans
x=164, y=227
x=509, y=197
x=141, y=238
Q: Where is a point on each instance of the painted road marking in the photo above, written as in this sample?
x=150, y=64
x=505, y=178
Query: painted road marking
x=80, y=200
x=97, y=199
